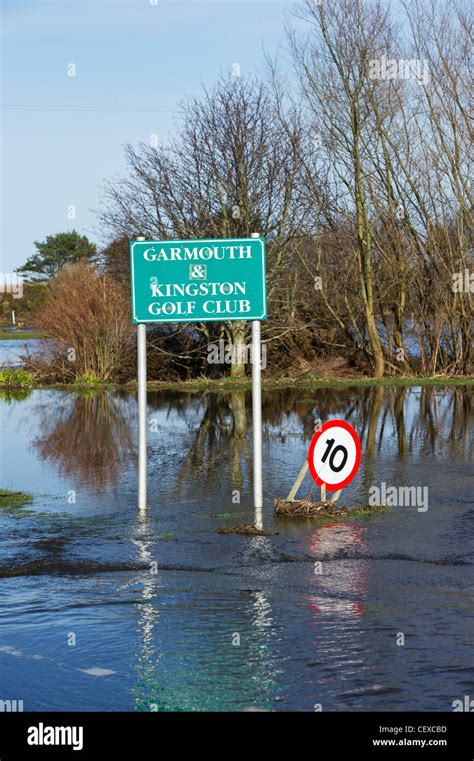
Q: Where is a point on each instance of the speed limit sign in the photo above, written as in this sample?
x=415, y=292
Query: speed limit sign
x=334, y=455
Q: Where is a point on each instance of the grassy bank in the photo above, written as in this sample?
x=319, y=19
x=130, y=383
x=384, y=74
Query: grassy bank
x=15, y=378
x=13, y=500
x=308, y=382
x=19, y=378
x=19, y=335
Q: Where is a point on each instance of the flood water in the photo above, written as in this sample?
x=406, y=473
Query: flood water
x=104, y=608
x=13, y=351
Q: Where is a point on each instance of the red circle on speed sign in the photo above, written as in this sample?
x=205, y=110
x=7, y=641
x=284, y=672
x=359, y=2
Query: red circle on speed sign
x=334, y=454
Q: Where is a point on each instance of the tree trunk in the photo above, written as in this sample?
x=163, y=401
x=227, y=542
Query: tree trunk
x=365, y=253
x=237, y=333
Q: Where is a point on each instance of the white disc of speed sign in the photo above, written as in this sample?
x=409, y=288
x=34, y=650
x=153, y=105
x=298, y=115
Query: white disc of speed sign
x=334, y=454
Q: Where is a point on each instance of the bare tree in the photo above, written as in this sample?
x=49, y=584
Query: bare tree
x=229, y=172
x=388, y=174
x=332, y=64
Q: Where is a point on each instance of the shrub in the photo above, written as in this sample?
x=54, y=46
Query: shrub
x=87, y=379
x=87, y=315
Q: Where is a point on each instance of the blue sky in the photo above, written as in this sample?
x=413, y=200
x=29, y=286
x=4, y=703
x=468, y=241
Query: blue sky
x=62, y=136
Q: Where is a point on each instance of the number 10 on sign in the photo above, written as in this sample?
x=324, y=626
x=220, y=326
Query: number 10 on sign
x=334, y=455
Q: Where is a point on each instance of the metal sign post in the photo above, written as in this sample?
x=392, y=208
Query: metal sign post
x=142, y=403
x=257, y=415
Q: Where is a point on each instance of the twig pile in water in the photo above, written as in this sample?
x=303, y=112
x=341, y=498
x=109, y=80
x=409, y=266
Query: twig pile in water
x=248, y=530
x=304, y=507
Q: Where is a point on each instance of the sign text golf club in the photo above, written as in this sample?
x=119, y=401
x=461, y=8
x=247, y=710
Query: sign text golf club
x=198, y=280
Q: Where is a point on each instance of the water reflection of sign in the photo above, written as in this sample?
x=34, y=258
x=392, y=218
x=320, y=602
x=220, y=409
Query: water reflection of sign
x=198, y=280
x=334, y=455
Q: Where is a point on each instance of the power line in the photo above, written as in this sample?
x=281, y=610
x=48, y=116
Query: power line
x=96, y=107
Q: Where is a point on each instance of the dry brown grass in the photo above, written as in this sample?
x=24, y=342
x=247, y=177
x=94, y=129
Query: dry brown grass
x=87, y=316
x=245, y=529
x=304, y=508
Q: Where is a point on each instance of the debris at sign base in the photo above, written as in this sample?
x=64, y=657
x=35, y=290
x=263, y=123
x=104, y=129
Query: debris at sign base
x=304, y=508
x=246, y=529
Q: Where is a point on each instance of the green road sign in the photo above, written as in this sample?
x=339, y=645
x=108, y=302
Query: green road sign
x=198, y=280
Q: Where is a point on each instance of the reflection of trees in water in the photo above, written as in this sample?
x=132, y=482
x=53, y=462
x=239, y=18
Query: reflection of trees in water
x=443, y=422
x=428, y=418
x=87, y=437
x=279, y=406
x=221, y=435
x=431, y=418
x=460, y=434
x=369, y=414
x=10, y=395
